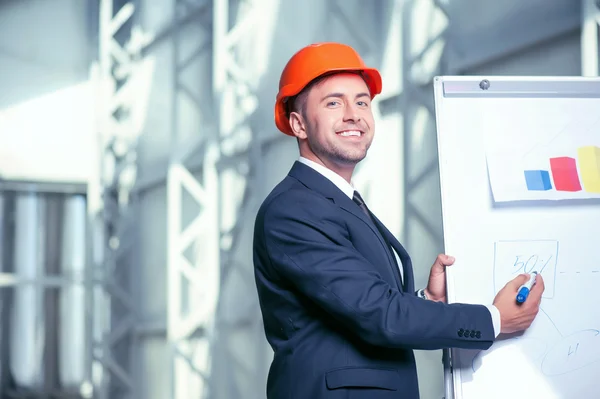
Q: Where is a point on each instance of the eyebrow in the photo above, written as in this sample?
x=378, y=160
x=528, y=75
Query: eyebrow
x=359, y=95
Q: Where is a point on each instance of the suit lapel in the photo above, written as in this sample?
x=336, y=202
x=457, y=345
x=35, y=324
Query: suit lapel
x=315, y=181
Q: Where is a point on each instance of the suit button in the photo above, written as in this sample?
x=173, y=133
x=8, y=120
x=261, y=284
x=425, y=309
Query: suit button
x=472, y=334
x=467, y=332
x=461, y=332
x=478, y=335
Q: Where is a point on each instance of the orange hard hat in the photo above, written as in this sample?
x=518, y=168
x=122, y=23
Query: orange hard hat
x=313, y=61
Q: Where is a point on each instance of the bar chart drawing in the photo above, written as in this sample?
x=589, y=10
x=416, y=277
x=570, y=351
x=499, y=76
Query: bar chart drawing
x=568, y=174
x=554, y=156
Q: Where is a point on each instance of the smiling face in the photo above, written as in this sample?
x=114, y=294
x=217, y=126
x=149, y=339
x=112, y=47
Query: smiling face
x=335, y=124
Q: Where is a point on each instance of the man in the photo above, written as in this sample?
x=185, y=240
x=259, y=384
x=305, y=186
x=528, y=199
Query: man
x=336, y=288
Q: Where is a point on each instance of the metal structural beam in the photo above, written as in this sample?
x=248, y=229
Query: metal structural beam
x=193, y=286
x=193, y=255
x=423, y=47
x=113, y=313
x=590, y=22
x=221, y=193
x=236, y=103
x=416, y=106
x=221, y=186
x=236, y=43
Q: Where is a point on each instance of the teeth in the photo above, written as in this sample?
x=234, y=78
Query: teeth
x=350, y=133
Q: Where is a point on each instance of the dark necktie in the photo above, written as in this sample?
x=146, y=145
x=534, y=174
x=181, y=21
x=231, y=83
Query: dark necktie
x=361, y=203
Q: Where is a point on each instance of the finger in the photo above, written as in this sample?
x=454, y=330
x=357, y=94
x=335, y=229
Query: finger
x=535, y=300
x=540, y=280
x=539, y=283
x=539, y=286
x=444, y=260
x=536, y=292
x=518, y=281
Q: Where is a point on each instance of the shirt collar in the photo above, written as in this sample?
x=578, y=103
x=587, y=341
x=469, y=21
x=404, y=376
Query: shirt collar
x=336, y=179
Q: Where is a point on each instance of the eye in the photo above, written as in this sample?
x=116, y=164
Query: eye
x=332, y=103
x=363, y=103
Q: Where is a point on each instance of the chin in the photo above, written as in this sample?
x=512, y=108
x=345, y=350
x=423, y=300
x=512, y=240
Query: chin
x=353, y=159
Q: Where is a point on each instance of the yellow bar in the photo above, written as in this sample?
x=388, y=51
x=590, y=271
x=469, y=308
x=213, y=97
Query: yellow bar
x=589, y=168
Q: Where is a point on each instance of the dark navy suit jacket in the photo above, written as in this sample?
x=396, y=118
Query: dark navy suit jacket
x=341, y=324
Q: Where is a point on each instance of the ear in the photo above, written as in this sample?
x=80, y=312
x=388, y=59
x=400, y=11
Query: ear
x=298, y=125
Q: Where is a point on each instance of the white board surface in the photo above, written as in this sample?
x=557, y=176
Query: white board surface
x=520, y=181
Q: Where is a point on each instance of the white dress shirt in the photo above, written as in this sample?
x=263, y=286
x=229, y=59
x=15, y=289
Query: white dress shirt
x=348, y=189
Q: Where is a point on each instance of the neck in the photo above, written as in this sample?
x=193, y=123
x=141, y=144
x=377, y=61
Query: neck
x=345, y=171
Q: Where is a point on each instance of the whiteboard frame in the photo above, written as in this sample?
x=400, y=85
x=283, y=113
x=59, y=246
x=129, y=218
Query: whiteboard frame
x=480, y=86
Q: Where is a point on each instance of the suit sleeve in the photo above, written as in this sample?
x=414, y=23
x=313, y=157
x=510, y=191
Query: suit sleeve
x=310, y=249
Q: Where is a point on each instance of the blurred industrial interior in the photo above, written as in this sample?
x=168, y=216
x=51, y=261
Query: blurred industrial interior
x=138, y=142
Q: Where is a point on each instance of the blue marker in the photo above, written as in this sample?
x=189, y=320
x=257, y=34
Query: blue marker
x=523, y=292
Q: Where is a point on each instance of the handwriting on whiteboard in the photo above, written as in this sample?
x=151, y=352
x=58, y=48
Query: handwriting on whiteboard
x=573, y=352
x=514, y=257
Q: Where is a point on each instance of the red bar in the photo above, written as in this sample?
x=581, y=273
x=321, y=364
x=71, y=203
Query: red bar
x=564, y=174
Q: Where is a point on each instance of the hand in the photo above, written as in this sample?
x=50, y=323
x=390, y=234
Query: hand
x=436, y=286
x=513, y=315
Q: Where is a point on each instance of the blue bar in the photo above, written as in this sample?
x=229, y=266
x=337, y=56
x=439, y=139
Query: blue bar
x=538, y=180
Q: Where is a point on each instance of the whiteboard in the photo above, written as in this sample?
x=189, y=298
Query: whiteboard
x=520, y=182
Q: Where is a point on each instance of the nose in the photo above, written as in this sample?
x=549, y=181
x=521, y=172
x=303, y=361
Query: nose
x=351, y=113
